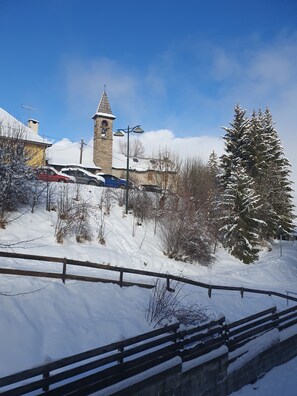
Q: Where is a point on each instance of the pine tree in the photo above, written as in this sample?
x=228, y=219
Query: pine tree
x=240, y=207
x=234, y=143
x=278, y=190
x=238, y=202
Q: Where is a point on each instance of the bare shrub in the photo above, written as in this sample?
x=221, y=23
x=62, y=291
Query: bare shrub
x=167, y=306
x=64, y=203
x=143, y=205
x=120, y=195
x=80, y=216
x=73, y=218
x=102, y=214
x=61, y=230
x=184, y=235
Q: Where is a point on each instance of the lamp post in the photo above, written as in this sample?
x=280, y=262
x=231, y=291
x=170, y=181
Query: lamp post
x=120, y=132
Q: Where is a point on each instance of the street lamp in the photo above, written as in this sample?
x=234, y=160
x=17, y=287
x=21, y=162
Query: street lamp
x=120, y=133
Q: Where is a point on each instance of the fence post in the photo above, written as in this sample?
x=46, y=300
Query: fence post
x=209, y=291
x=64, y=269
x=275, y=319
x=121, y=350
x=168, y=285
x=121, y=277
x=45, y=376
x=225, y=334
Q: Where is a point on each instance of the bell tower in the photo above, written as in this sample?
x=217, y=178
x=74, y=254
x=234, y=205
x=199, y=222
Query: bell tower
x=103, y=134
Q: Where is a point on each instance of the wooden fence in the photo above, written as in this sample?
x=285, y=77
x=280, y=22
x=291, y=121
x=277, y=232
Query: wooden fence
x=96, y=369
x=66, y=275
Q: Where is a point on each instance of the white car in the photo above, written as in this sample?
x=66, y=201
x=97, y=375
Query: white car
x=82, y=176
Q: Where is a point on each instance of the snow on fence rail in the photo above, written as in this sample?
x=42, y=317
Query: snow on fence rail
x=96, y=369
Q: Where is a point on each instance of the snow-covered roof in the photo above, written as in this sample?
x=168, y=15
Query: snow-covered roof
x=119, y=161
x=10, y=124
x=66, y=153
x=107, y=115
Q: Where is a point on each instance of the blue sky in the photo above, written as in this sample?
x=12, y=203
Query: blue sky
x=171, y=65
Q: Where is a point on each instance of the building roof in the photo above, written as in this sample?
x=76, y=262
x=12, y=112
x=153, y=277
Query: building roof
x=104, y=108
x=65, y=153
x=9, y=125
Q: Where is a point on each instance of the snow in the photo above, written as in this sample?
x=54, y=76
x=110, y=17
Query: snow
x=9, y=123
x=44, y=320
x=281, y=380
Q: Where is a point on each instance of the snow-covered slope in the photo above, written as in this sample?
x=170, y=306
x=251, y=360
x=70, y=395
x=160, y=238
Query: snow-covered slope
x=44, y=319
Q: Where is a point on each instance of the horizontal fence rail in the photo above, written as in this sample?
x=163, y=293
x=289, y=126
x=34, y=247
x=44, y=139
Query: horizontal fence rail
x=96, y=369
x=64, y=275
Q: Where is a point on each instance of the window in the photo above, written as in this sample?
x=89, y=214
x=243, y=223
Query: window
x=104, y=128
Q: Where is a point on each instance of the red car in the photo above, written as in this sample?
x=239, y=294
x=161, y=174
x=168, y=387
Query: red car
x=49, y=174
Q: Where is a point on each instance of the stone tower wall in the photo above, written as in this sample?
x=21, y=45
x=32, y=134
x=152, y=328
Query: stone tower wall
x=103, y=138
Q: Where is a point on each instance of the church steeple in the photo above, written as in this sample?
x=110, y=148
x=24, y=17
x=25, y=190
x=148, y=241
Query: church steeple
x=103, y=134
x=104, y=107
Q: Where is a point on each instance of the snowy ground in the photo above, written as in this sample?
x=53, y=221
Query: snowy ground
x=281, y=380
x=43, y=320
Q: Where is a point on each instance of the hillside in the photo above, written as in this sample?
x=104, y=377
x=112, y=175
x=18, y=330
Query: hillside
x=43, y=320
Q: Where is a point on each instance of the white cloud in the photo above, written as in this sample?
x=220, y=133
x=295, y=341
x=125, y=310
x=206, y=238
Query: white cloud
x=194, y=100
x=197, y=146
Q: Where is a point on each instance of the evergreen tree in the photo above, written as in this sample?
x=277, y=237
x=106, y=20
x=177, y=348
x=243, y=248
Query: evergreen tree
x=254, y=145
x=234, y=143
x=278, y=190
x=240, y=207
x=238, y=202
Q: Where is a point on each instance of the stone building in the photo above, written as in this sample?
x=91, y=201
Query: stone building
x=141, y=170
x=103, y=135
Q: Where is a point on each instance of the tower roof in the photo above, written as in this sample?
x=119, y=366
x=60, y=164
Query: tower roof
x=104, y=108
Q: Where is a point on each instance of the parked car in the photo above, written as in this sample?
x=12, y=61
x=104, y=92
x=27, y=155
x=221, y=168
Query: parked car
x=83, y=176
x=115, y=182
x=50, y=174
x=151, y=188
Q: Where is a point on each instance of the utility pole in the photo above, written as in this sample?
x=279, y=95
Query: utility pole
x=81, y=150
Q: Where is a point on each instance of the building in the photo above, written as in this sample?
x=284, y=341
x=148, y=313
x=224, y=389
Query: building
x=103, y=135
x=141, y=170
x=12, y=129
x=100, y=156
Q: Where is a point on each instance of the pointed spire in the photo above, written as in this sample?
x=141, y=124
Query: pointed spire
x=104, y=108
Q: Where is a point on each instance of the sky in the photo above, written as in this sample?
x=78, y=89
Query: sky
x=169, y=66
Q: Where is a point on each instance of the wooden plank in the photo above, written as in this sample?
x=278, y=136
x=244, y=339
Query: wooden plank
x=247, y=335
x=31, y=257
x=114, y=374
x=202, y=349
x=199, y=328
x=202, y=336
x=26, y=374
x=250, y=318
x=10, y=271
x=251, y=325
x=116, y=357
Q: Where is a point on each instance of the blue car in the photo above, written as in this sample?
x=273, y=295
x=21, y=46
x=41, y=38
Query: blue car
x=114, y=182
